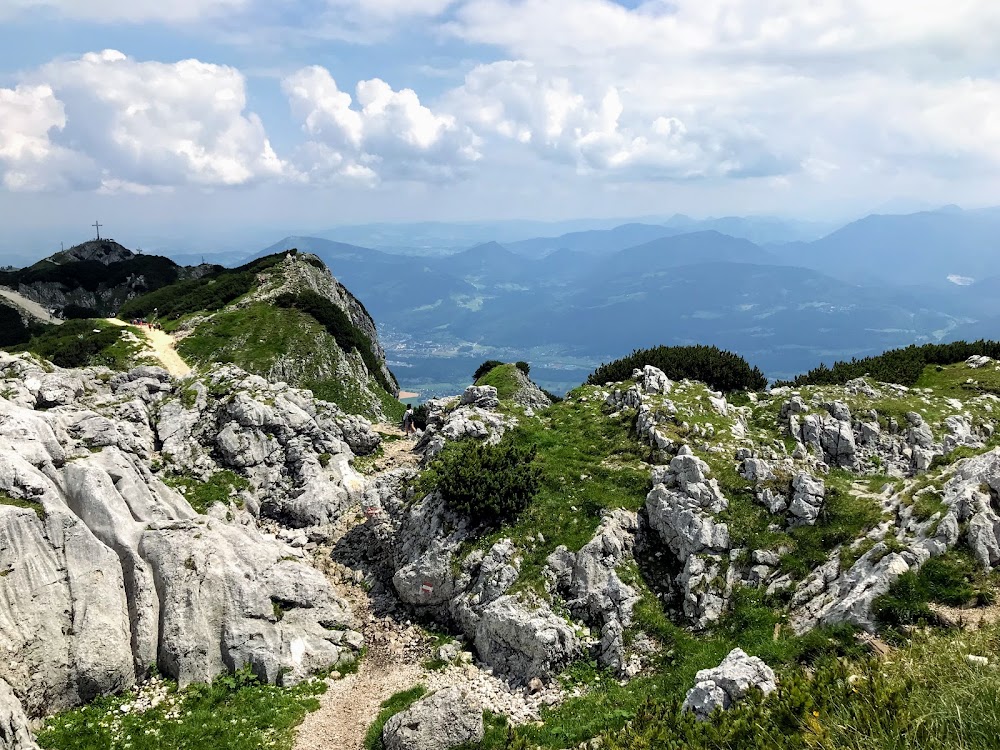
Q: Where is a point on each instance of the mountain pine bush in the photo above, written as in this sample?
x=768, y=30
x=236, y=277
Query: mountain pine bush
x=341, y=327
x=719, y=369
x=901, y=366
x=488, y=483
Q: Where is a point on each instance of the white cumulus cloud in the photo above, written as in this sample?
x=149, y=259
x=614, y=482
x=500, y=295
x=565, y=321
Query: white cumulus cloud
x=161, y=124
x=29, y=160
x=128, y=11
x=605, y=130
x=378, y=134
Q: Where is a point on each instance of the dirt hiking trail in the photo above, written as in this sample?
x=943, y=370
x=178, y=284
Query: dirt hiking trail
x=395, y=650
x=161, y=345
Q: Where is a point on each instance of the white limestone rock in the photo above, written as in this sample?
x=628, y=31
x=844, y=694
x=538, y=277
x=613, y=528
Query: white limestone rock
x=15, y=733
x=440, y=721
x=728, y=683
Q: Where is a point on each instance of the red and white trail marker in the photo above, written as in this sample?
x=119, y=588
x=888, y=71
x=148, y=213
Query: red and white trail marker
x=427, y=589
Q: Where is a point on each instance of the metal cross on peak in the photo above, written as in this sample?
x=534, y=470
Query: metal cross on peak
x=98, y=225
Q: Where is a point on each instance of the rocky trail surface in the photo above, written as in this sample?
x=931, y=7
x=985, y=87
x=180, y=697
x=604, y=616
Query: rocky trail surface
x=399, y=654
x=161, y=345
x=396, y=649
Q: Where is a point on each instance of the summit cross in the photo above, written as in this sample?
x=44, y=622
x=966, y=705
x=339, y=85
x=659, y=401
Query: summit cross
x=98, y=226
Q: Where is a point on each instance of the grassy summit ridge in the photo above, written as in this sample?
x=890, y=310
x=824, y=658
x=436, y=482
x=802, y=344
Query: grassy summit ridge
x=283, y=317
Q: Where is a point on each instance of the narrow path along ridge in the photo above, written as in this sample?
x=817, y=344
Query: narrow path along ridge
x=29, y=306
x=161, y=345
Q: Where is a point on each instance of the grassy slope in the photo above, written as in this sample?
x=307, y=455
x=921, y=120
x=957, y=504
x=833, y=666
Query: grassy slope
x=591, y=461
x=233, y=713
x=502, y=378
x=83, y=343
x=257, y=336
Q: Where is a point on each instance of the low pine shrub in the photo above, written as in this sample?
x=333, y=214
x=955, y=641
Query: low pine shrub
x=489, y=483
x=902, y=366
x=523, y=367
x=719, y=369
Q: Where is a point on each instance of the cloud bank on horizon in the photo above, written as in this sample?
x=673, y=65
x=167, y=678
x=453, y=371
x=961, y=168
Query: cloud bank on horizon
x=614, y=97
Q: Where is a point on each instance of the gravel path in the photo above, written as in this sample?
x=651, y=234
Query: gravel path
x=395, y=649
x=351, y=704
x=162, y=345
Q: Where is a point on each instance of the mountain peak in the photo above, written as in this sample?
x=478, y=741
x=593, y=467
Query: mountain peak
x=101, y=251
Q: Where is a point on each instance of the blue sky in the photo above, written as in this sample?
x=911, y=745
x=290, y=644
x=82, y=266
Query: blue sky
x=312, y=113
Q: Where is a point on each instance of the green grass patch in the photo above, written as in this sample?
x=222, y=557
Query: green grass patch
x=219, y=488
x=260, y=338
x=927, y=696
x=84, y=343
x=504, y=378
x=846, y=515
x=394, y=705
x=588, y=462
x=953, y=579
x=235, y=712
x=34, y=505
x=608, y=707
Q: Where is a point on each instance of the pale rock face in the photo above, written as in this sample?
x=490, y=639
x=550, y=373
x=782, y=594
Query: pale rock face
x=440, y=721
x=630, y=398
x=652, y=380
x=295, y=450
x=524, y=641
x=826, y=598
x=110, y=570
x=483, y=396
x=728, y=683
x=453, y=419
x=588, y=582
x=807, y=499
x=919, y=434
x=681, y=509
x=756, y=470
x=861, y=387
x=775, y=502
x=831, y=595
x=14, y=730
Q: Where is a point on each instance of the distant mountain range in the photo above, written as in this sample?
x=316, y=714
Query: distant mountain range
x=571, y=301
x=580, y=293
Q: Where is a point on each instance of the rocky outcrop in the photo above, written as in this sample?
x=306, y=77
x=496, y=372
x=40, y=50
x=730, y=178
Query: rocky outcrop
x=419, y=538
x=807, y=499
x=14, y=731
x=75, y=277
x=105, y=569
x=524, y=641
x=442, y=720
x=527, y=394
x=472, y=415
x=833, y=594
x=727, y=684
x=296, y=451
x=681, y=508
x=589, y=584
x=830, y=436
